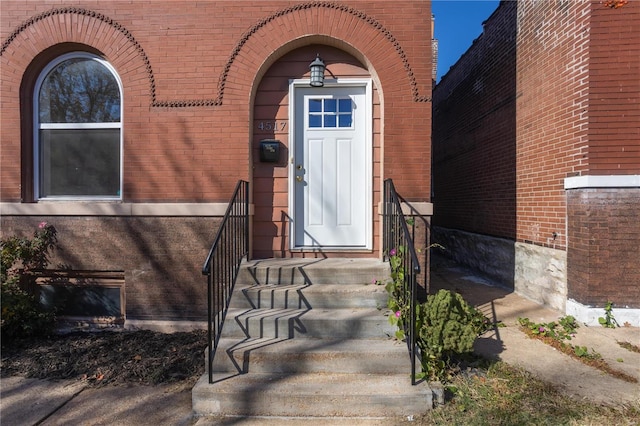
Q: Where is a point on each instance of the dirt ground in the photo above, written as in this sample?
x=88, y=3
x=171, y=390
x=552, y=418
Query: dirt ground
x=118, y=357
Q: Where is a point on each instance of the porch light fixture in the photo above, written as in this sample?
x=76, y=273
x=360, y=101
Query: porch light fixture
x=317, y=68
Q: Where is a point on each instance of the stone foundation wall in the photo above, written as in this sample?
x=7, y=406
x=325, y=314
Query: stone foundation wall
x=535, y=272
x=493, y=257
x=541, y=275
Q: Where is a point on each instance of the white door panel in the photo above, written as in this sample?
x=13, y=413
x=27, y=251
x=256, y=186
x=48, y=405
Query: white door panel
x=331, y=177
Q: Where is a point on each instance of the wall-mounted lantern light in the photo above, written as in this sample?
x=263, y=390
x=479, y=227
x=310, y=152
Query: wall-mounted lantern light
x=317, y=68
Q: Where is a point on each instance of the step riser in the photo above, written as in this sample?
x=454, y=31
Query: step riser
x=327, y=271
x=325, y=406
x=392, y=361
x=273, y=396
x=317, y=297
x=309, y=364
x=278, y=326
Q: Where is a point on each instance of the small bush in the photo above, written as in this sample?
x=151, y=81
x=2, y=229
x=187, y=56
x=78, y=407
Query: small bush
x=447, y=328
x=446, y=325
x=22, y=314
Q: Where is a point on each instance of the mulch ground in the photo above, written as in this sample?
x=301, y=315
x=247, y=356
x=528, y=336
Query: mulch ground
x=108, y=357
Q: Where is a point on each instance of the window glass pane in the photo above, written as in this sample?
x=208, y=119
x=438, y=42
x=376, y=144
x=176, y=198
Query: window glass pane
x=329, y=121
x=330, y=105
x=80, y=162
x=315, y=120
x=79, y=90
x=344, y=105
x=315, y=105
x=344, y=120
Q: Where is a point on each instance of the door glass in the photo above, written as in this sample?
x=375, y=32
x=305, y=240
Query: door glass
x=330, y=113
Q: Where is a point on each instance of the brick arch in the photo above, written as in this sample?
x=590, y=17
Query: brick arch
x=307, y=18
x=306, y=23
x=83, y=27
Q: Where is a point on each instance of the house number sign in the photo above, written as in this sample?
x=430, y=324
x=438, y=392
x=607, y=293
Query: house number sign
x=272, y=126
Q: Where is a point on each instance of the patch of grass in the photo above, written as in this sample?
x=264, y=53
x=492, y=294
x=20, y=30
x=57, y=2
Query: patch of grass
x=629, y=346
x=547, y=333
x=511, y=396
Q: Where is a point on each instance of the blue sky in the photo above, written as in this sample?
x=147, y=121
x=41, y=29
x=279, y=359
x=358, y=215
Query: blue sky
x=458, y=23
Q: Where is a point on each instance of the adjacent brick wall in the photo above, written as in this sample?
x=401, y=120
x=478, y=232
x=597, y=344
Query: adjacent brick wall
x=614, y=90
x=474, y=157
x=552, y=116
x=576, y=112
x=604, y=232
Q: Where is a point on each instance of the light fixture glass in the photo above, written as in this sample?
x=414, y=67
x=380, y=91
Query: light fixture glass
x=317, y=68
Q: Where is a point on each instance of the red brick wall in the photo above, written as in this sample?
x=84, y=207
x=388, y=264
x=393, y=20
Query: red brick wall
x=614, y=90
x=576, y=113
x=189, y=70
x=576, y=87
x=161, y=257
x=474, y=133
x=552, y=117
x=604, y=232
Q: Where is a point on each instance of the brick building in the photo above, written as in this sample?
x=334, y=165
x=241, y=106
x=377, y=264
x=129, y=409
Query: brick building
x=175, y=99
x=536, y=155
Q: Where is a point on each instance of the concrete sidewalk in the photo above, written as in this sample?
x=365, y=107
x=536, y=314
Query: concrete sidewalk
x=40, y=402
x=37, y=402
x=511, y=345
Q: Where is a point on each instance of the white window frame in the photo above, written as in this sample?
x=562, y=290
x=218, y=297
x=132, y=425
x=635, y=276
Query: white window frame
x=37, y=126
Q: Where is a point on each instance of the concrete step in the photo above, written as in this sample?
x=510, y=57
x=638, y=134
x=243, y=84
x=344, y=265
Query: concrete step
x=344, y=323
x=310, y=338
x=380, y=356
x=312, y=271
x=300, y=296
x=311, y=395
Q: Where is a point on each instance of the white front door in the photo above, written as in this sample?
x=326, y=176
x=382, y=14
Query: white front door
x=331, y=167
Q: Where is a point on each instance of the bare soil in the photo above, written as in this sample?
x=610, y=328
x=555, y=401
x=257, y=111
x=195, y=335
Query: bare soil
x=108, y=357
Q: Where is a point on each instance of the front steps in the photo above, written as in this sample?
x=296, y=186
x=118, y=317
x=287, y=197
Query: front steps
x=309, y=338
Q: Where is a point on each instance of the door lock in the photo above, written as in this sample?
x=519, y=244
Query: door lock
x=299, y=167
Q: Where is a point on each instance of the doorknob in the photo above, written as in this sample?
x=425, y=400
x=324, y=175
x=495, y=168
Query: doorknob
x=299, y=178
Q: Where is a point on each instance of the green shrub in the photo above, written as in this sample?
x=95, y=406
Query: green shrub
x=447, y=328
x=446, y=325
x=22, y=314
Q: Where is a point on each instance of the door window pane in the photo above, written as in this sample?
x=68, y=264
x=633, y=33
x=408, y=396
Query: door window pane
x=330, y=105
x=330, y=113
x=329, y=121
x=345, y=105
x=315, y=120
x=315, y=105
x=345, y=120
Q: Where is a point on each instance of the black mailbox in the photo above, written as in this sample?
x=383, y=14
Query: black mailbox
x=270, y=151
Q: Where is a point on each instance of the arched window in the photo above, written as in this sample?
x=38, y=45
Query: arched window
x=78, y=129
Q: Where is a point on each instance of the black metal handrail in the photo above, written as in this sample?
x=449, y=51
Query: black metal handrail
x=221, y=267
x=396, y=236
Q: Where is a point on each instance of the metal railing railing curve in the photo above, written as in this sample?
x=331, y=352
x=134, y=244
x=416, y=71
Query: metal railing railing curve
x=396, y=235
x=221, y=267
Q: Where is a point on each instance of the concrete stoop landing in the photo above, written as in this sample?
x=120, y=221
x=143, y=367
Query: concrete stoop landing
x=309, y=338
